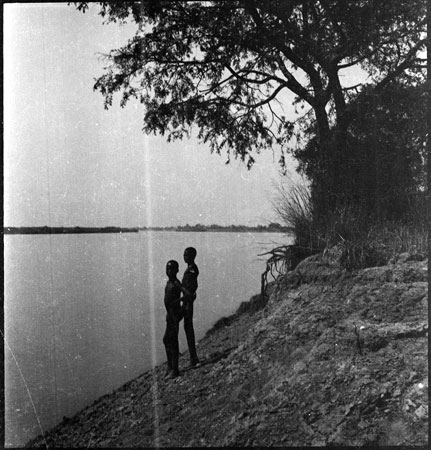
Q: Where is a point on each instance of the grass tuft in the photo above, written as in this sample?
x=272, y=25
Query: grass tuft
x=363, y=241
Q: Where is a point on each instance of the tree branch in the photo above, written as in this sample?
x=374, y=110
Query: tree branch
x=292, y=83
x=255, y=72
x=403, y=66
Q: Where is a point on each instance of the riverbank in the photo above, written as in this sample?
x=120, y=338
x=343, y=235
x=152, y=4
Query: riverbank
x=333, y=358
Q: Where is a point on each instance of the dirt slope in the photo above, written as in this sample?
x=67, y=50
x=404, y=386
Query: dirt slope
x=334, y=358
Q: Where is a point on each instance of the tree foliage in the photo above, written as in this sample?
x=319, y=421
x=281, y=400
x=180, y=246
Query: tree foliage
x=383, y=165
x=225, y=66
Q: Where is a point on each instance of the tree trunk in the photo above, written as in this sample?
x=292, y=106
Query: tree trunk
x=324, y=182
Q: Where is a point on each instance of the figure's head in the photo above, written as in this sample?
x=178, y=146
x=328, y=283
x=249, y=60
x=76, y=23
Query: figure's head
x=190, y=254
x=171, y=268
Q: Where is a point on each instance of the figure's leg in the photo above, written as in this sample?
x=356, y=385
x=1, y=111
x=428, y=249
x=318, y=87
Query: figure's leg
x=166, y=342
x=190, y=334
x=175, y=349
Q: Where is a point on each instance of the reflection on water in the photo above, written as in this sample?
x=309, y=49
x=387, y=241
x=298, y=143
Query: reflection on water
x=84, y=313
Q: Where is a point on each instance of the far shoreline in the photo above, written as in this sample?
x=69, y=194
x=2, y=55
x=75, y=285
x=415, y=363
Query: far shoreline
x=66, y=230
x=271, y=228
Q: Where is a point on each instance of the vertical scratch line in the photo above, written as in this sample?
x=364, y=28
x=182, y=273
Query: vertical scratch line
x=150, y=267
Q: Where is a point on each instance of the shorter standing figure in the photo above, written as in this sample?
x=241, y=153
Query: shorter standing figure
x=190, y=283
x=174, y=315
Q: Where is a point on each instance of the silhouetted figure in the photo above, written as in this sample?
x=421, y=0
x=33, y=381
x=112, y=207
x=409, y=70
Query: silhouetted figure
x=174, y=314
x=190, y=284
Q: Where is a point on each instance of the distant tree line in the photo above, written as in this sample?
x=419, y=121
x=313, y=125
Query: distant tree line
x=272, y=227
x=67, y=230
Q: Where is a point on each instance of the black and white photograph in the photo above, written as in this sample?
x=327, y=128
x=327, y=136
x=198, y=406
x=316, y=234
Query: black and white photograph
x=215, y=223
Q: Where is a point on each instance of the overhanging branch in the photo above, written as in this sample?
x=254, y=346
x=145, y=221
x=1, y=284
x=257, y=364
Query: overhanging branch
x=408, y=61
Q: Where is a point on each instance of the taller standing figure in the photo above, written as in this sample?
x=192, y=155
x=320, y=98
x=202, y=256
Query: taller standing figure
x=190, y=282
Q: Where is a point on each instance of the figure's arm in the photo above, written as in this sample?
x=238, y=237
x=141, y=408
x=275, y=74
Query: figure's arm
x=177, y=300
x=171, y=302
x=171, y=298
x=185, y=291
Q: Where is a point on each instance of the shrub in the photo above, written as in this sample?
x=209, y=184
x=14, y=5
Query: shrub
x=399, y=238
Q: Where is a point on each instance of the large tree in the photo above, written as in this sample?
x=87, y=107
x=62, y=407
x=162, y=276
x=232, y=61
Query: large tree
x=226, y=67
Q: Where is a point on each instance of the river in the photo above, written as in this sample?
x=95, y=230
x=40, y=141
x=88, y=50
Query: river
x=84, y=312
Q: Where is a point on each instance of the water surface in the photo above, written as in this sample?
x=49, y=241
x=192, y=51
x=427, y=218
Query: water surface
x=84, y=312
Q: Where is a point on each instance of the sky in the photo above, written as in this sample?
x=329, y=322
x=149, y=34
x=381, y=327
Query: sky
x=70, y=162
